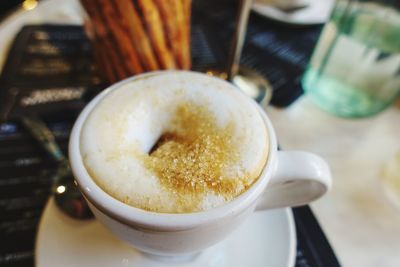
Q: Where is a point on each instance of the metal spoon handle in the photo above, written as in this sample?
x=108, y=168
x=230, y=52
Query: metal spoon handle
x=44, y=136
x=66, y=194
x=238, y=38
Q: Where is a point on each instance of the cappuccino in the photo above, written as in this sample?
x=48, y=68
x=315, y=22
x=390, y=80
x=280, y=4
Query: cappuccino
x=174, y=142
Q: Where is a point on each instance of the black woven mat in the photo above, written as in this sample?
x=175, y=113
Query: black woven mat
x=25, y=170
x=279, y=52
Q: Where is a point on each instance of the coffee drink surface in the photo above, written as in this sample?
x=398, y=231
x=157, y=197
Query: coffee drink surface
x=174, y=142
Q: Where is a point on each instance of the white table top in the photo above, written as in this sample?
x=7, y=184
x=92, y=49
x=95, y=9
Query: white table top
x=362, y=225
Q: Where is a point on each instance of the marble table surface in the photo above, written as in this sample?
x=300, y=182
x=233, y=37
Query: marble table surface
x=361, y=223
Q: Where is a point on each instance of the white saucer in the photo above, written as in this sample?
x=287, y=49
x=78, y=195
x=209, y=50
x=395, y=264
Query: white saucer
x=316, y=13
x=267, y=238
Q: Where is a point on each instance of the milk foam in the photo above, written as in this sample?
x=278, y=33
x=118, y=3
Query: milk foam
x=124, y=126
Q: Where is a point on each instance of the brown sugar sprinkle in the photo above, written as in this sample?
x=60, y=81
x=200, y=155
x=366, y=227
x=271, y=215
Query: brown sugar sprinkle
x=191, y=160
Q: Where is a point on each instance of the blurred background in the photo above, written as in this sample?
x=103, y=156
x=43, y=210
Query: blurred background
x=6, y=6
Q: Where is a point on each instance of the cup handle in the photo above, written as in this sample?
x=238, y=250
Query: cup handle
x=299, y=178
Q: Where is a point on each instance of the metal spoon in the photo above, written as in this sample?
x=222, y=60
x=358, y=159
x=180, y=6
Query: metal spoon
x=248, y=80
x=66, y=193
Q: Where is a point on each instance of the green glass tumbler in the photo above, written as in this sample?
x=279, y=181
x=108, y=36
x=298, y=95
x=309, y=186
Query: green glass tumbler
x=355, y=68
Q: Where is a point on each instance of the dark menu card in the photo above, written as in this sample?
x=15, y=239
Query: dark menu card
x=47, y=73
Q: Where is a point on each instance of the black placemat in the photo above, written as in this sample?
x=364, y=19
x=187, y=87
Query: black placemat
x=25, y=170
x=279, y=52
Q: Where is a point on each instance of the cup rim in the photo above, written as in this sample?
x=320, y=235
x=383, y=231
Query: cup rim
x=139, y=218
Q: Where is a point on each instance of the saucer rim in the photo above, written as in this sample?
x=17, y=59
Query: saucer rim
x=292, y=240
x=268, y=12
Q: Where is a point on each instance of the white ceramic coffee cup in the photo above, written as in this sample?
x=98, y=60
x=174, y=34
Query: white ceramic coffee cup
x=289, y=179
